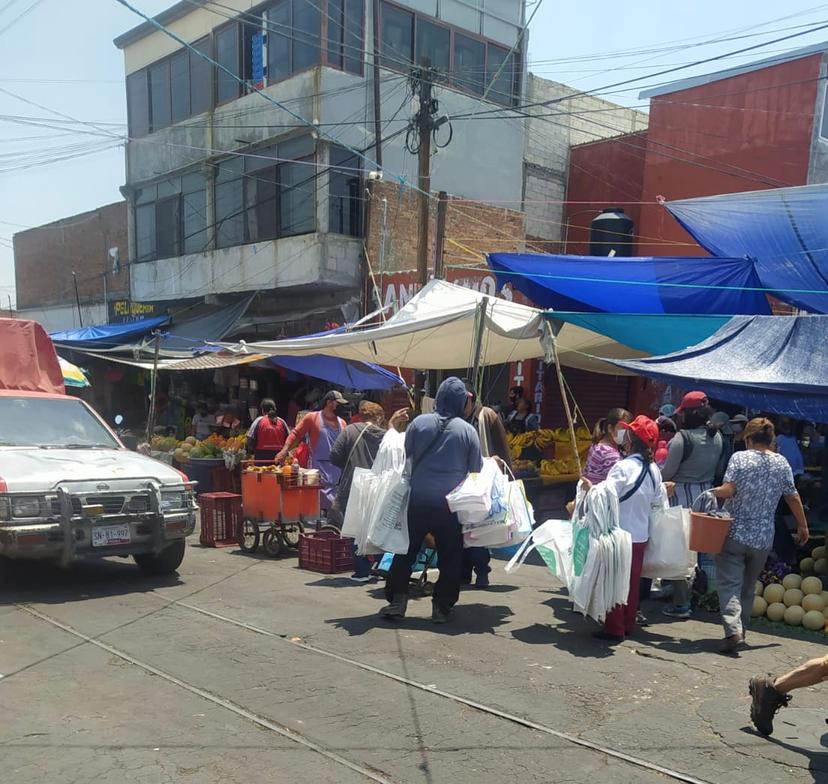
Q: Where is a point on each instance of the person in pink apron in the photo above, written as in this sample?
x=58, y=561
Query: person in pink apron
x=322, y=428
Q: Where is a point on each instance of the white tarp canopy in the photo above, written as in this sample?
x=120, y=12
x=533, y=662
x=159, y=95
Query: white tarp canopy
x=438, y=328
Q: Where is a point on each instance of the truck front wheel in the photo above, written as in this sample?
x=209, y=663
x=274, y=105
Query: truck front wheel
x=165, y=562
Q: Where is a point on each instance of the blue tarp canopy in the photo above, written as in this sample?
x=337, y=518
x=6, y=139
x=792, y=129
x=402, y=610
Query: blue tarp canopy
x=659, y=334
x=342, y=372
x=107, y=335
x=784, y=230
x=679, y=285
x=769, y=363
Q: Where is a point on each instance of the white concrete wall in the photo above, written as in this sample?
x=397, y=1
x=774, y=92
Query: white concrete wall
x=311, y=261
x=65, y=317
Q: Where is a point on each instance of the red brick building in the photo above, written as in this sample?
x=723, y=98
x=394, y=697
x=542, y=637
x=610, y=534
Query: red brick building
x=753, y=127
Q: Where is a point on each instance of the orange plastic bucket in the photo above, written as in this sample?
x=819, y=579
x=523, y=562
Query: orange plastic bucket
x=708, y=533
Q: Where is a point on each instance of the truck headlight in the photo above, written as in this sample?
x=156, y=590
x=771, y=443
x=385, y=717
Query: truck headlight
x=25, y=506
x=171, y=501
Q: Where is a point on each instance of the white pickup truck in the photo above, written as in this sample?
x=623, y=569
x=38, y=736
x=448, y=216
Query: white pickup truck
x=69, y=489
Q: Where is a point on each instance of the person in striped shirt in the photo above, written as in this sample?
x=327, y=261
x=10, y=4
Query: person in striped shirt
x=605, y=451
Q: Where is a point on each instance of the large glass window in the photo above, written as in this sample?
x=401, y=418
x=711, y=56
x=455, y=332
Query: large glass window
x=180, y=85
x=171, y=218
x=344, y=197
x=500, y=75
x=138, y=104
x=294, y=37
x=264, y=195
x=307, y=26
x=160, y=109
x=397, y=37
x=201, y=77
x=228, y=54
x=279, y=41
x=469, y=63
x=336, y=31
x=433, y=45
x=353, y=37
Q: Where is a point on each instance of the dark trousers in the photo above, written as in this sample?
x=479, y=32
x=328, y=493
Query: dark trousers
x=621, y=619
x=448, y=538
x=476, y=558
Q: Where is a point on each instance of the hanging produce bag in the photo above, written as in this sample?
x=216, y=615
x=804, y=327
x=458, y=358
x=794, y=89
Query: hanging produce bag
x=473, y=496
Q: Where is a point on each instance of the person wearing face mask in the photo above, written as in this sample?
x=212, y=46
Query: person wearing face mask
x=322, y=428
x=605, y=451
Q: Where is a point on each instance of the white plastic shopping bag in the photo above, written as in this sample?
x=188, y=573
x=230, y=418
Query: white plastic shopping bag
x=388, y=529
x=391, y=453
x=668, y=553
x=473, y=495
x=360, y=508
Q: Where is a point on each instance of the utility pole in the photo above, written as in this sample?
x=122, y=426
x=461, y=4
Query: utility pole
x=421, y=130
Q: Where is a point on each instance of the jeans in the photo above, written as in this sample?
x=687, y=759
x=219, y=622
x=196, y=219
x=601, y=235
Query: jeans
x=448, y=538
x=737, y=569
x=476, y=558
x=621, y=619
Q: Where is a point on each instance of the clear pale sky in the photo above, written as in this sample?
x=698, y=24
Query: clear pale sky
x=60, y=54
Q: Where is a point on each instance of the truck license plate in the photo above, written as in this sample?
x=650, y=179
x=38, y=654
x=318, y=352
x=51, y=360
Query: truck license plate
x=108, y=535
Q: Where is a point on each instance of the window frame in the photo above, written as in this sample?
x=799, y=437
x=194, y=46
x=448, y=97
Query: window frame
x=218, y=74
x=451, y=79
x=141, y=75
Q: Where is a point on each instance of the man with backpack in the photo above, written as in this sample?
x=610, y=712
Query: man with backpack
x=443, y=449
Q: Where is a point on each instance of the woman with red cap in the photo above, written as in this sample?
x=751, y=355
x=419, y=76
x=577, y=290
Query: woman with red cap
x=637, y=482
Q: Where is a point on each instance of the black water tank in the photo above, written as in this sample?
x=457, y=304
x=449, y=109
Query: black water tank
x=612, y=230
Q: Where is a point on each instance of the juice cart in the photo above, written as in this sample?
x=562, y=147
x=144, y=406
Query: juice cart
x=277, y=503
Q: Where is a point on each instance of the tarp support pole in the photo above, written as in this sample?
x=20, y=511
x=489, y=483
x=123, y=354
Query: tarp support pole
x=482, y=312
x=565, y=398
x=153, y=386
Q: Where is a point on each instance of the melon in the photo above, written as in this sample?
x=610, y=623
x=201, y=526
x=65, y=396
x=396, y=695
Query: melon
x=806, y=565
x=794, y=615
x=791, y=581
x=818, y=552
x=811, y=585
x=190, y=440
x=819, y=566
x=813, y=601
x=774, y=593
x=793, y=597
x=760, y=606
x=758, y=589
x=824, y=596
x=776, y=611
x=813, y=620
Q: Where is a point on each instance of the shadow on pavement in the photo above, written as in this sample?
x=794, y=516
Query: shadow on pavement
x=48, y=583
x=572, y=632
x=817, y=759
x=468, y=619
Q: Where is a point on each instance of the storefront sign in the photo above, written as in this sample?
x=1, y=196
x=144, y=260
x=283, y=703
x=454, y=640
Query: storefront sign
x=122, y=311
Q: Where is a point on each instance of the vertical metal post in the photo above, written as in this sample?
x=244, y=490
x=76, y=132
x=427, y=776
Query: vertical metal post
x=153, y=386
x=77, y=297
x=573, y=439
x=440, y=233
x=482, y=312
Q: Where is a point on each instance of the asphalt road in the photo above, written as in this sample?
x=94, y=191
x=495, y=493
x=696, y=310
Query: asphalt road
x=245, y=669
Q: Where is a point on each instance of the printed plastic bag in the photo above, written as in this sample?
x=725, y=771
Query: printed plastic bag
x=473, y=495
x=388, y=529
x=668, y=554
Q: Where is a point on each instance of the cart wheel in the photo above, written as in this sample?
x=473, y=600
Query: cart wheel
x=249, y=535
x=291, y=533
x=272, y=543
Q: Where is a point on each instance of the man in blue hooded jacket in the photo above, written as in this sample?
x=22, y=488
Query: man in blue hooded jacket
x=443, y=449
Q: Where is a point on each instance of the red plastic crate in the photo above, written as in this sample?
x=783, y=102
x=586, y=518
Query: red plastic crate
x=221, y=518
x=326, y=552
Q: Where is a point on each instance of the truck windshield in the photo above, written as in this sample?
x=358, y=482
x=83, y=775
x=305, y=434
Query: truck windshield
x=51, y=422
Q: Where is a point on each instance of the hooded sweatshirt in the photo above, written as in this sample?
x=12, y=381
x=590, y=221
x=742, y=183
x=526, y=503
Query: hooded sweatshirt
x=442, y=446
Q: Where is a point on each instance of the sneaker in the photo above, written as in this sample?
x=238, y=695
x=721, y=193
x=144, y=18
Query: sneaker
x=361, y=578
x=482, y=582
x=438, y=615
x=766, y=701
x=641, y=619
x=677, y=611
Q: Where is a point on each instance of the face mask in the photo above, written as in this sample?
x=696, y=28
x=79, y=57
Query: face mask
x=619, y=436
x=342, y=411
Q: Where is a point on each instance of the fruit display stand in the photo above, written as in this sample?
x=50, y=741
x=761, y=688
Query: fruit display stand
x=275, y=506
x=795, y=600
